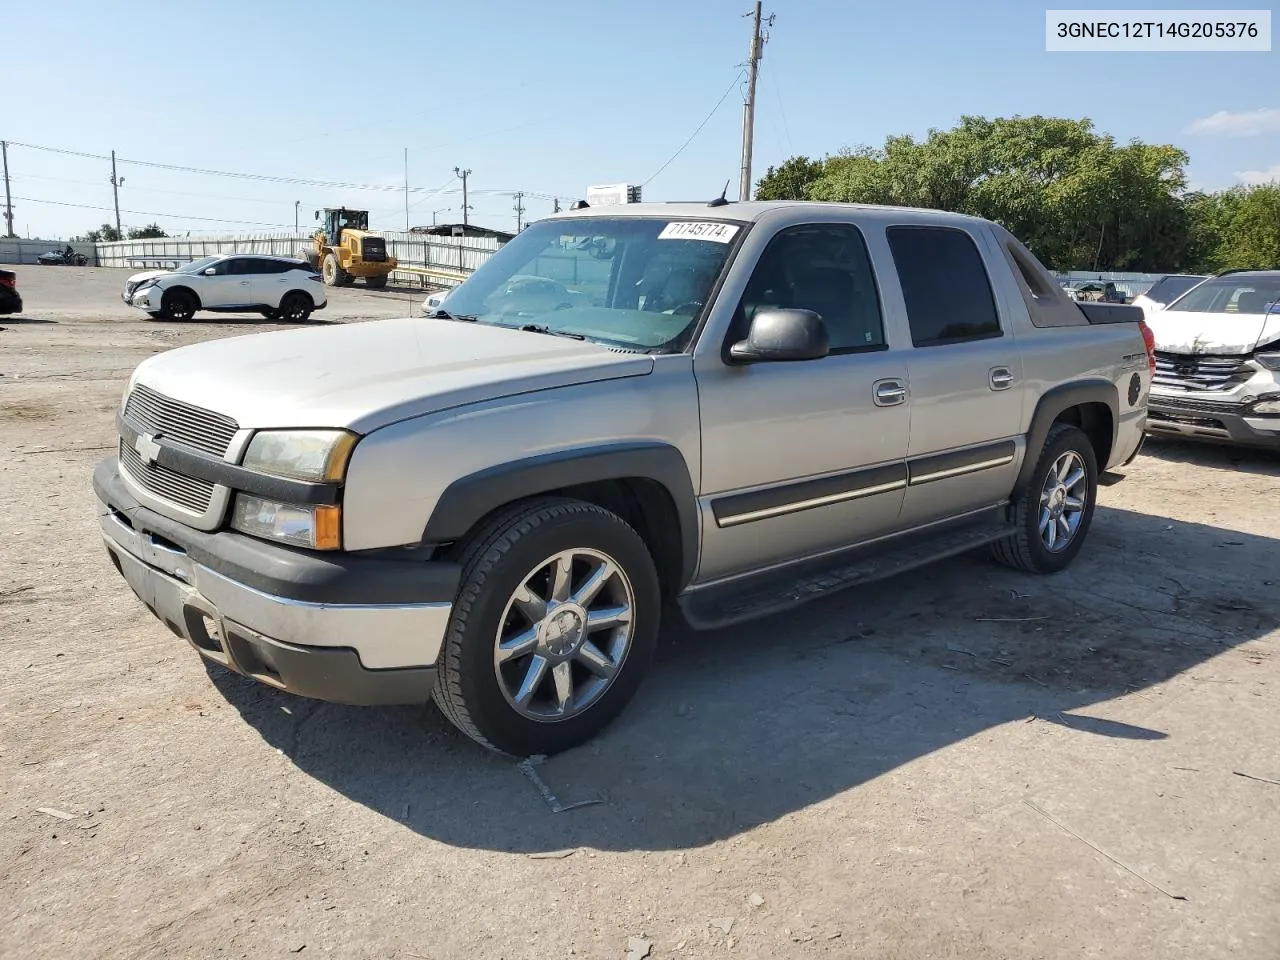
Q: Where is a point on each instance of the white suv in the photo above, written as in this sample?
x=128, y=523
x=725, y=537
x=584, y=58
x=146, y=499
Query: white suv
x=280, y=288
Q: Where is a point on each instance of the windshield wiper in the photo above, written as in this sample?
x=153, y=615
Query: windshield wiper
x=538, y=328
x=442, y=314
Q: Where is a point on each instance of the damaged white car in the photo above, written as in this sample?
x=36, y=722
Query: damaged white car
x=1218, y=361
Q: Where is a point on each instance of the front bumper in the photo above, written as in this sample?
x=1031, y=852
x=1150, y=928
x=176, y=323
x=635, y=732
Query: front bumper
x=343, y=627
x=1210, y=420
x=141, y=298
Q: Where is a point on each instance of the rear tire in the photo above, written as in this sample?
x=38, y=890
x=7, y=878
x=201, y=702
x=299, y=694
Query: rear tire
x=295, y=308
x=377, y=283
x=513, y=610
x=1054, y=513
x=179, y=306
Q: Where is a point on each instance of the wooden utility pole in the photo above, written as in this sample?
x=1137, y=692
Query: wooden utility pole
x=458, y=171
x=749, y=107
x=8, y=200
x=115, y=193
x=519, y=209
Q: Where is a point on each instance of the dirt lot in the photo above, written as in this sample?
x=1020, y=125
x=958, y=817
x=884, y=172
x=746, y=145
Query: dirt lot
x=962, y=763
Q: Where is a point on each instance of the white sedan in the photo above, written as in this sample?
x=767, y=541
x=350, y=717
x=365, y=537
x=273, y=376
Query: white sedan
x=279, y=288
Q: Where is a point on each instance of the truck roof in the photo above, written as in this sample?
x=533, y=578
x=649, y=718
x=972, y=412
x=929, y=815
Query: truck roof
x=760, y=209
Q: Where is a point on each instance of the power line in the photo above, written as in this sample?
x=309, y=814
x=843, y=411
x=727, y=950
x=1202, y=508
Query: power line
x=175, y=193
x=260, y=177
x=270, y=178
x=149, y=213
x=705, y=121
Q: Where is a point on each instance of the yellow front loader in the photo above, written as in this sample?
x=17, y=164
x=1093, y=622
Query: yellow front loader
x=344, y=249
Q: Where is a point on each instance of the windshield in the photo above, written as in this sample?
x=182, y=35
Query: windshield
x=639, y=283
x=1168, y=289
x=1231, y=294
x=195, y=266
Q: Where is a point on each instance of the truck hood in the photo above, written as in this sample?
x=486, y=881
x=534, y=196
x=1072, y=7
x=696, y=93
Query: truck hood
x=362, y=376
x=1178, y=331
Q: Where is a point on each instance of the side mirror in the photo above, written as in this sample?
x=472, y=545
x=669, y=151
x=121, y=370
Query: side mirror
x=210, y=271
x=783, y=335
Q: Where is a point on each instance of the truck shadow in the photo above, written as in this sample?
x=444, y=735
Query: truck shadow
x=737, y=728
x=1254, y=460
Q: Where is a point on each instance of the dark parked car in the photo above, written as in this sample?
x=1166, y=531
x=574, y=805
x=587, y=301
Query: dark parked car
x=10, y=300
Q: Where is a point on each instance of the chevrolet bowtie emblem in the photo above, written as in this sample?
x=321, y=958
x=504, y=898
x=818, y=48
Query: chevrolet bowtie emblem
x=147, y=448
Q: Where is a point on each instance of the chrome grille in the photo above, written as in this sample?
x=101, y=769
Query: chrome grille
x=1185, y=372
x=189, y=492
x=154, y=413
x=1193, y=405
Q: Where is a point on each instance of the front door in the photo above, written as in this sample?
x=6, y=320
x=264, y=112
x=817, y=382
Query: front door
x=222, y=289
x=801, y=458
x=966, y=375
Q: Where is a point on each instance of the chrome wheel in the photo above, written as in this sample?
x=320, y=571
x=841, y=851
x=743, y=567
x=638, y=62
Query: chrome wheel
x=564, y=635
x=1063, y=499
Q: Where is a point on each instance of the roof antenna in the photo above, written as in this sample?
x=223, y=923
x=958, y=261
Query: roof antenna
x=720, y=201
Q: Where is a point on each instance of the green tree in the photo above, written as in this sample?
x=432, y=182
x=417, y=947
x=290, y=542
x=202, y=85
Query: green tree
x=104, y=234
x=1253, y=239
x=1072, y=195
x=790, y=181
x=151, y=231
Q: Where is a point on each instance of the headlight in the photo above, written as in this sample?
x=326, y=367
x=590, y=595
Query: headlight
x=1269, y=360
x=1266, y=405
x=318, y=528
x=317, y=455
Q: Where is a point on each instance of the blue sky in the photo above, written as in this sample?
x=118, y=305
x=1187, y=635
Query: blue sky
x=546, y=97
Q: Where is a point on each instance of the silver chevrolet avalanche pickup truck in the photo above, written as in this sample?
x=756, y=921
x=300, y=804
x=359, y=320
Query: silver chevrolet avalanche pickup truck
x=710, y=411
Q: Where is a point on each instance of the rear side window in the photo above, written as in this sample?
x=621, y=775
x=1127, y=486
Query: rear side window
x=1169, y=289
x=944, y=284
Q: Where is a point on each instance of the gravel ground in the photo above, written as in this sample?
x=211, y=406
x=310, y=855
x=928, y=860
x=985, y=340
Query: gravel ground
x=961, y=763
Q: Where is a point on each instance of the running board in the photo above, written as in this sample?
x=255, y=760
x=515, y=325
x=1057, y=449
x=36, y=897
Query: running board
x=766, y=594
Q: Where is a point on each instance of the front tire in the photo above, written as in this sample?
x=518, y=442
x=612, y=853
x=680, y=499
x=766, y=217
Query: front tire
x=553, y=629
x=332, y=272
x=179, y=306
x=1054, y=513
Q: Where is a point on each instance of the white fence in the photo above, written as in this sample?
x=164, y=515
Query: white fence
x=453, y=254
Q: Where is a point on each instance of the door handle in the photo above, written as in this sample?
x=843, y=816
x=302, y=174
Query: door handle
x=1001, y=378
x=889, y=393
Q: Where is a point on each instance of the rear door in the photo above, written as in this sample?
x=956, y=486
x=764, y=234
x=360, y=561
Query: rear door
x=966, y=375
x=270, y=281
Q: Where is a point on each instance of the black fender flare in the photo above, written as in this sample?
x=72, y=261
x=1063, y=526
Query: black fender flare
x=1051, y=406
x=468, y=499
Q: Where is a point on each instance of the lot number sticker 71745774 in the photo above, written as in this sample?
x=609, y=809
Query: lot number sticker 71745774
x=693, y=230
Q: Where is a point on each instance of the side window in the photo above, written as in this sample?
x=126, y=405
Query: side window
x=824, y=268
x=945, y=285
x=223, y=267
x=1030, y=269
